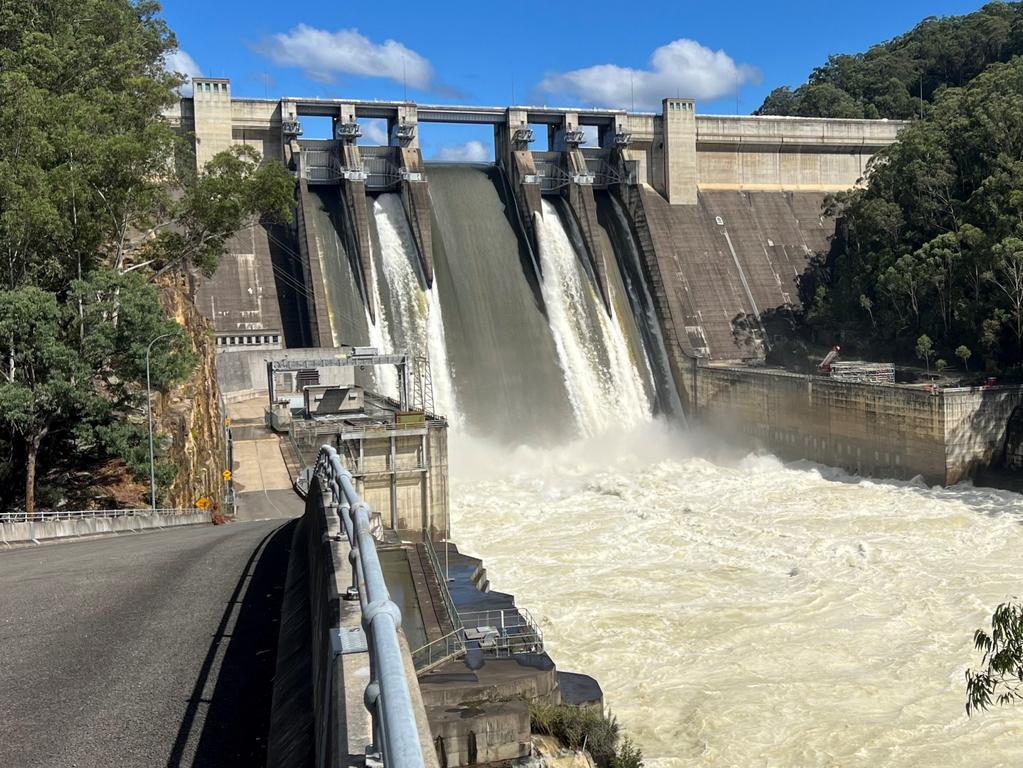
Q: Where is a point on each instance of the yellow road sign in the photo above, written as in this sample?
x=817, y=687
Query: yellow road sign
x=227, y=422
x=227, y=475
x=203, y=503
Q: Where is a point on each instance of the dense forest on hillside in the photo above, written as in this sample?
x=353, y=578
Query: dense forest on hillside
x=892, y=78
x=927, y=262
x=94, y=213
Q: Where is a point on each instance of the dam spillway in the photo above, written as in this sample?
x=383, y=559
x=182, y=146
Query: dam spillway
x=528, y=330
x=605, y=374
x=541, y=313
x=500, y=349
x=517, y=354
x=698, y=223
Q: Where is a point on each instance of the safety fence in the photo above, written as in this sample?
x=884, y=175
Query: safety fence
x=387, y=697
x=87, y=514
x=497, y=633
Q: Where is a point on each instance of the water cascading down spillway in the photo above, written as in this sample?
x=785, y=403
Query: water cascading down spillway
x=506, y=370
x=514, y=355
x=409, y=318
x=601, y=371
x=622, y=241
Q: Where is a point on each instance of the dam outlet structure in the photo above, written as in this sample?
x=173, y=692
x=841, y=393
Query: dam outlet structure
x=567, y=295
x=569, y=287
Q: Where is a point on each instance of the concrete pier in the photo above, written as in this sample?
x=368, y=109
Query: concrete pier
x=580, y=199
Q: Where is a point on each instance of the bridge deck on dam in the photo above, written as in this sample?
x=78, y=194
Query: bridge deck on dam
x=148, y=650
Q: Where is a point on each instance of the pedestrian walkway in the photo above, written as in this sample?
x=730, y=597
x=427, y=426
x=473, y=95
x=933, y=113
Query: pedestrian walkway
x=262, y=482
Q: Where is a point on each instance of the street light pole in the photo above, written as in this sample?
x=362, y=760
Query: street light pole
x=149, y=408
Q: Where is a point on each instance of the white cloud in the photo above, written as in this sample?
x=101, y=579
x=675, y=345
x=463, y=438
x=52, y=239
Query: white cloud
x=680, y=68
x=592, y=135
x=323, y=55
x=374, y=132
x=180, y=62
x=470, y=152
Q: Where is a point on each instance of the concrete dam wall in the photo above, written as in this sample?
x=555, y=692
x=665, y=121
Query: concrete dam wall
x=521, y=342
x=566, y=291
x=680, y=157
x=730, y=260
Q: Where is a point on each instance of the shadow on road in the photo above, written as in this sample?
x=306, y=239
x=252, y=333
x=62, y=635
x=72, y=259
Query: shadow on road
x=236, y=724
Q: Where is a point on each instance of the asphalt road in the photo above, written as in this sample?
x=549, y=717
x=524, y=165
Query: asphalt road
x=155, y=649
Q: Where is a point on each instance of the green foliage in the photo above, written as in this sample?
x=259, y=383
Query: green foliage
x=963, y=353
x=82, y=84
x=1000, y=680
x=586, y=728
x=71, y=368
x=130, y=442
x=898, y=78
x=43, y=377
x=93, y=208
x=925, y=349
x=628, y=755
x=231, y=192
x=933, y=244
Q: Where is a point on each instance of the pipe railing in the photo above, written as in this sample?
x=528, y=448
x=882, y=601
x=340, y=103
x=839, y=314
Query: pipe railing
x=442, y=572
x=450, y=646
x=387, y=697
x=498, y=633
x=88, y=514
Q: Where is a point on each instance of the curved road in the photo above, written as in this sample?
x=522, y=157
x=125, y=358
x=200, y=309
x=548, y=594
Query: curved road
x=154, y=649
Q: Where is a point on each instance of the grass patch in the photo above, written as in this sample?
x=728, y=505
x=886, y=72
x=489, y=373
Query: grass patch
x=587, y=728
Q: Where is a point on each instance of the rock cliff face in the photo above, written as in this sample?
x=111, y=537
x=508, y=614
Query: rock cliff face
x=189, y=419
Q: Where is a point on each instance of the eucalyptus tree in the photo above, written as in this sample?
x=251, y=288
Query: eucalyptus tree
x=99, y=198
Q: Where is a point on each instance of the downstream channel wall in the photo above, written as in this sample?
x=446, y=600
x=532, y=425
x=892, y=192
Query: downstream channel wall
x=318, y=716
x=884, y=431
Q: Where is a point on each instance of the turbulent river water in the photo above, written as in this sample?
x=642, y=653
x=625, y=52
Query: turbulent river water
x=739, y=611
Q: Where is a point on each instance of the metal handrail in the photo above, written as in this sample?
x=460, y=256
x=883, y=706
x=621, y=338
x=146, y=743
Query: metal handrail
x=436, y=652
x=395, y=732
x=516, y=632
x=87, y=514
x=309, y=429
x=512, y=632
x=439, y=569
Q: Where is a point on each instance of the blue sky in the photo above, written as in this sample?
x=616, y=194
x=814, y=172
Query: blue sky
x=564, y=53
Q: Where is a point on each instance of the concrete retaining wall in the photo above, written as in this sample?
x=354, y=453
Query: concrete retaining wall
x=976, y=427
x=26, y=533
x=244, y=370
x=338, y=726
x=882, y=431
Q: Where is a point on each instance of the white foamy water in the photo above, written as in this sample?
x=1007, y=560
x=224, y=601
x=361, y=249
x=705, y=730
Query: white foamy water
x=411, y=322
x=741, y=612
x=380, y=336
x=440, y=368
x=602, y=395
